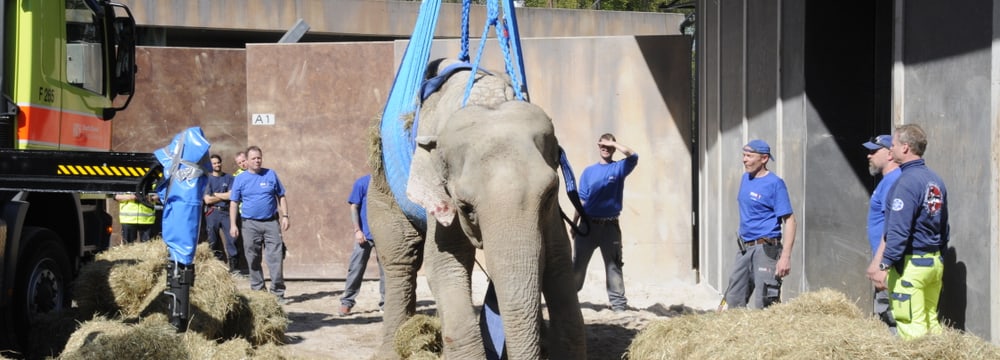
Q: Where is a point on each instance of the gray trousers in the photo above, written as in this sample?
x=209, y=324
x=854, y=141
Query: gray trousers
x=264, y=238
x=356, y=272
x=608, y=237
x=753, y=274
x=883, y=311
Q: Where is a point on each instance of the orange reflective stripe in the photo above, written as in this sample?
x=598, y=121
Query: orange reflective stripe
x=51, y=128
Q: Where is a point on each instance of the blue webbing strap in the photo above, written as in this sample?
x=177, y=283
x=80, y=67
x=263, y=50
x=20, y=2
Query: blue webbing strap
x=508, y=37
x=515, y=44
x=463, y=54
x=574, y=196
x=397, y=143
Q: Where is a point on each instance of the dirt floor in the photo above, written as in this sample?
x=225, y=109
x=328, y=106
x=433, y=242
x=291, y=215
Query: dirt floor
x=317, y=332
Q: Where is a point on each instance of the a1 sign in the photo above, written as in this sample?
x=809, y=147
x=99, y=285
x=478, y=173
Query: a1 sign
x=262, y=119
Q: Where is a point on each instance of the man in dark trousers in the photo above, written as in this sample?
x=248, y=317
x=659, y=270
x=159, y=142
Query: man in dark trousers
x=601, y=190
x=217, y=214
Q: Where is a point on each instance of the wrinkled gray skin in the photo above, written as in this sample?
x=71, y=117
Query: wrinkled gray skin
x=491, y=166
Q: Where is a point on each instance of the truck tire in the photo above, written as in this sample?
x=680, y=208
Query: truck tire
x=43, y=277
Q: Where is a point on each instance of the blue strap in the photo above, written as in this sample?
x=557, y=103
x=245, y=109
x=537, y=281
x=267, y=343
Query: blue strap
x=508, y=38
x=398, y=144
x=433, y=84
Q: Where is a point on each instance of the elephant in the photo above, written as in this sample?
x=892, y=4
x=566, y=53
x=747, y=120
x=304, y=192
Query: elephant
x=492, y=165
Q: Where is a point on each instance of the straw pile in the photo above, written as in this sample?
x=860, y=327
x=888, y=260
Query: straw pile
x=122, y=312
x=154, y=338
x=815, y=325
x=419, y=338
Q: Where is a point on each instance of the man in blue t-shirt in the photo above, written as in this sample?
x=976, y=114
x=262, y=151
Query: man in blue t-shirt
x=217, y=214
x=880, y=162
x=766, y=235
x=260, y=197
x=601, y=188
x=363, y=245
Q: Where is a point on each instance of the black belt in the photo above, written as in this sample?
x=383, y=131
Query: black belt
x=273, y=218
x=221, y=208
x=762, y=241
x=608, y=220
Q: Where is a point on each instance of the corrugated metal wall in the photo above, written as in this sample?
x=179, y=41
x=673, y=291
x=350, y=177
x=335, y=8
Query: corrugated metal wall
x=816, y=80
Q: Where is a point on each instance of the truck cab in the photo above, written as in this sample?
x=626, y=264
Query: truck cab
x=68, y=66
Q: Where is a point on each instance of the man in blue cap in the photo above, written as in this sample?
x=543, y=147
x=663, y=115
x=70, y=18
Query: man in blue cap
x=880, y=162
x=766, y=235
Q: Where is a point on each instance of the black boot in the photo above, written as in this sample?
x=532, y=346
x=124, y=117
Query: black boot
x=180, y=278
x=234, y=265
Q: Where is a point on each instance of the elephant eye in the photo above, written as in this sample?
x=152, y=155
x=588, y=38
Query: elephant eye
x=468, y=210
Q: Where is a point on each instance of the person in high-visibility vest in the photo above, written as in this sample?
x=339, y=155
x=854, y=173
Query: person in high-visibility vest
x=136, y=219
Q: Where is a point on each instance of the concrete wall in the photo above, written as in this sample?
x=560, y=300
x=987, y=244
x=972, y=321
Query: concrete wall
x=179, y=88
x=775, y=70
x=387, y=18
x=323, y=96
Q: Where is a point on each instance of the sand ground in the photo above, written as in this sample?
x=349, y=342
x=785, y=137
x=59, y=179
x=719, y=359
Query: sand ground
x=316, y=331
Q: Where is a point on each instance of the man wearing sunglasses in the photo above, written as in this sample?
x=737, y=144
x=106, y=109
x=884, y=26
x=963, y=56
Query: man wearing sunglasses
x=880, y=162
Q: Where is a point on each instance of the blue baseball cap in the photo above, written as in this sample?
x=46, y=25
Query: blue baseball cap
x=881, y=141
x=758, y=146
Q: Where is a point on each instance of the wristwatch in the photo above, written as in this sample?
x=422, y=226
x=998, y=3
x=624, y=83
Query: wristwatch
x=884, y=266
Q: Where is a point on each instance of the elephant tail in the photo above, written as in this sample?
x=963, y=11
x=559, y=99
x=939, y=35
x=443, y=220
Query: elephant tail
x=375, y=163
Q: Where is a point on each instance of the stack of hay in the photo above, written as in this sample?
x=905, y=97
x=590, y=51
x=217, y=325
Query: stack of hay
x=124, y=313
x=815, y=325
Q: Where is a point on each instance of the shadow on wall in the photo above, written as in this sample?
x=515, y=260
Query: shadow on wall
x=954, y=292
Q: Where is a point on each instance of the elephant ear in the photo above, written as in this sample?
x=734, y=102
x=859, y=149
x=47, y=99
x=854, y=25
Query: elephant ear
x=425, y=186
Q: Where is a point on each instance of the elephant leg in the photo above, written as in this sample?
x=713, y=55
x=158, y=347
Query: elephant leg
x=566, y=337
x=449, y=259
x=398, y=247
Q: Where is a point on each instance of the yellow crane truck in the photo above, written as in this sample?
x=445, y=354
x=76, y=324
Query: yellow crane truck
x=67, y=67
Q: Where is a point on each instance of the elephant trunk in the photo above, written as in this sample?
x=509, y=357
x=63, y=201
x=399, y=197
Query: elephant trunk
x=513, y=251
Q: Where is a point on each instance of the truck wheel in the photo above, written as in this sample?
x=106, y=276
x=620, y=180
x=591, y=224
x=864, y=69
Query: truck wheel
x=42, y=278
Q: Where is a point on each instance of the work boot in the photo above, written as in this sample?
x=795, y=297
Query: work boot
x=234, y=266
x=180, y=279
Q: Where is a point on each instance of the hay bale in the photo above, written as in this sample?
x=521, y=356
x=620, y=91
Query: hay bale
x=102, y=338
x=50, y=332
x=128, y=282
x=201, y=348
x=821, y=324
x=257, y=317
x=212, y=297
x=120, y=279
x=269, y=352
x=419, y=338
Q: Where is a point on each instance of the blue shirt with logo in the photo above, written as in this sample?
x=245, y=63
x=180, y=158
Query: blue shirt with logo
x=916, y=217
x=258, y=194
x=219, y=184
x=358, y=196
x=762, y=202
x=602, y=186
x=876, y=209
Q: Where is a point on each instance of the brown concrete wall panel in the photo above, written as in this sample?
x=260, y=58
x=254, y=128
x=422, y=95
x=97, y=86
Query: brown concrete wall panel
x=388, y=18
x=177, y=88
x=639, y=89
x=323, y=98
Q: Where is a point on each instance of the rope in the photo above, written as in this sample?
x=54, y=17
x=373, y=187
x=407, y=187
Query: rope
x=463, y=54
